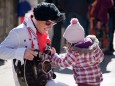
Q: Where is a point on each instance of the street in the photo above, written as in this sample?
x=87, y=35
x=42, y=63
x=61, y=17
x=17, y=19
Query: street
x=63, y=75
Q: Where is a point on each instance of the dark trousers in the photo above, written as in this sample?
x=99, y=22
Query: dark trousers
x=56, y=40
x=111, y=32
x=84, y=21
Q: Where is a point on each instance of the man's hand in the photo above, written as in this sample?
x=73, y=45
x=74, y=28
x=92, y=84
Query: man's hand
x=29, y=54
x=53, y=51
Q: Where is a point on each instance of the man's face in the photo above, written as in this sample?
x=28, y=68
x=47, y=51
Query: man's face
x=44, y=26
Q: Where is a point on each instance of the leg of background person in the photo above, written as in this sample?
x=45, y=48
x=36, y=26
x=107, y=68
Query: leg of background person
x=111, y=33
x=84, y=22
x=66, y=22
x=56, y=39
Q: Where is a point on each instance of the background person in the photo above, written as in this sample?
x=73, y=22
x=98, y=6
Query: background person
x=99, y=22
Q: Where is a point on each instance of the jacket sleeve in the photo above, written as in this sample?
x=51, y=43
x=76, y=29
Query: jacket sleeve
x=99, y=56
x=66, y=61
x=9, y=47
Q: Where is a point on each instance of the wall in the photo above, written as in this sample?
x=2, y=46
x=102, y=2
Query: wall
x=8, y=17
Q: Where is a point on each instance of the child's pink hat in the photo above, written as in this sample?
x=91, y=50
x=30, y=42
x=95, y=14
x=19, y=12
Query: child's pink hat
x=74, y=32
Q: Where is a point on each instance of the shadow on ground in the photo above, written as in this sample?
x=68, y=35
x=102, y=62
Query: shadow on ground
x=105, y=62
x=64, y=71
x=2, y=62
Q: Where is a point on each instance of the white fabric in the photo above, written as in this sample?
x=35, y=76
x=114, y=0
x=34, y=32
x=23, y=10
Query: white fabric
x=55, y=83
x=15, y=76
x=14, y=46
x=74, y=32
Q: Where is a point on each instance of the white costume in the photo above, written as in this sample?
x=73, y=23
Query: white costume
x=15, y=44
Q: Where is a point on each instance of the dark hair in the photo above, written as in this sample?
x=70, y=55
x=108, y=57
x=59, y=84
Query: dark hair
x=48, y=11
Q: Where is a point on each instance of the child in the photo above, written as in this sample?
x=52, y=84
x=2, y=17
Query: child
x=83, y=54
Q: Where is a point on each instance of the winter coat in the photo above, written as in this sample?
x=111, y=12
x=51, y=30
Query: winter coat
x=84, y=57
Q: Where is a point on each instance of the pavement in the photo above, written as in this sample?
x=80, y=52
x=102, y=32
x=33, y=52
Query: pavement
x=63, y=75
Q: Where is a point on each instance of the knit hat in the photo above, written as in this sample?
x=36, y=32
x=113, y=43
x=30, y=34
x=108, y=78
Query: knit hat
x=74, y=32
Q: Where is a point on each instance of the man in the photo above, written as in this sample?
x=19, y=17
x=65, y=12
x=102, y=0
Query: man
x=30, y=35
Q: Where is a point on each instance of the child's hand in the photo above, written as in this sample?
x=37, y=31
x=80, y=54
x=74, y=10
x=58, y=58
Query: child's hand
x=53, y=51
x=54, y=65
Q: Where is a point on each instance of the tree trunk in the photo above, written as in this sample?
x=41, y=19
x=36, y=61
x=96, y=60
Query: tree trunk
x=8, y=17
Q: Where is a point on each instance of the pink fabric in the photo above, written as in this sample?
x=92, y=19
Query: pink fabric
x=85, y=65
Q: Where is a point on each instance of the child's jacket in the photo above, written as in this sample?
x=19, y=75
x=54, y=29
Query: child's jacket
x=84, y=58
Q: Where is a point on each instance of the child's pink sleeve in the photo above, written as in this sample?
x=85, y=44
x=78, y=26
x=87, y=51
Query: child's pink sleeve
x=68, y=60
x=99, y=56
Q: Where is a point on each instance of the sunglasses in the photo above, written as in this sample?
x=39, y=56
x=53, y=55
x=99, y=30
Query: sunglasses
x=48, y=23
